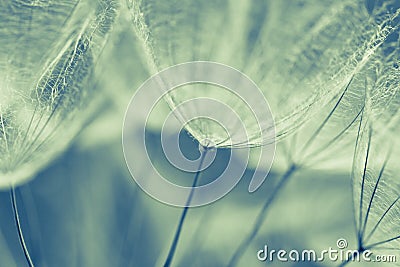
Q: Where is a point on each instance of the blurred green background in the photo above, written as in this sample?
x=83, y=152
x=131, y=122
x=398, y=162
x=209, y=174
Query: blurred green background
x=84, y=209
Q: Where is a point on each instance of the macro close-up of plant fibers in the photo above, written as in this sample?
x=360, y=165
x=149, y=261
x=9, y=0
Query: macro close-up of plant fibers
x=187, y=133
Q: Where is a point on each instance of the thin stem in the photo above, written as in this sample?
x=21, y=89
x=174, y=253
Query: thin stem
x=18, y=225
x=381, y=219
x=334, y=139
x=178, y=231
x=358, y=138
x=261, y=216
x=360, y=234
x=374, y=193
x=325, y=121
x=384, y=241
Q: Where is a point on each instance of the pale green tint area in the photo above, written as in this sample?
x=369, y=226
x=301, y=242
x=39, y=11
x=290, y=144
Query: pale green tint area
x=48, y=57
x=85, y=209
x=302, y=55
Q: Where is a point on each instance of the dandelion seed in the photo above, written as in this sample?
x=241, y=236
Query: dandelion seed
x=376, y=189
x=45, y=99
x=42, y=103
x=299, y=81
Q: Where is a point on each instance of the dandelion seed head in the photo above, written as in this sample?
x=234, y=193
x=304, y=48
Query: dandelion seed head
x=298, y=80
x=47, y=92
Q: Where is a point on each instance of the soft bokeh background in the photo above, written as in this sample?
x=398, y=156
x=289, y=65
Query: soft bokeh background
x=86, y=210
